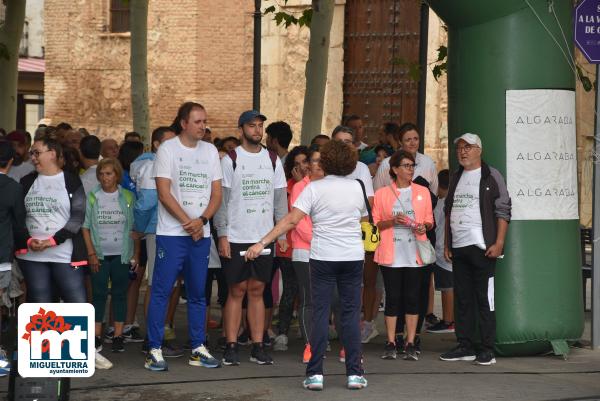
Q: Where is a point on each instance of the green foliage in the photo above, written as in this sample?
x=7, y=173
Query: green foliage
x=287, y=19
x=586, y=82
x=440, y=67
x=414, y=69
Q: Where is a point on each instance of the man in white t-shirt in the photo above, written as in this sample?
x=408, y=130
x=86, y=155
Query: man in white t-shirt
x=188, y=181
x=478, y=210
x=89, y=150
x=254, y=194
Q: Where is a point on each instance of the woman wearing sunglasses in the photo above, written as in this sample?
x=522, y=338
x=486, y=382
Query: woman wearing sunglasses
x=402, y=211
x=52, y=249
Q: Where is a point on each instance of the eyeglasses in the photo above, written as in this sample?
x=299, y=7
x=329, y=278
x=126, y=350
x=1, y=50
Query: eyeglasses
x=466, y=148
x=409, y=166
x=37, y=153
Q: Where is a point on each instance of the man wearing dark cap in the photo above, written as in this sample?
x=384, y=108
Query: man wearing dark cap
x=254, y=193
x=21, y=142
x=12, y=217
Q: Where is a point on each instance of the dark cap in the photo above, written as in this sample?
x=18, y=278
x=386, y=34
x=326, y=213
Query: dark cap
x=248, y=116
x=17, y=136
x=7, y=151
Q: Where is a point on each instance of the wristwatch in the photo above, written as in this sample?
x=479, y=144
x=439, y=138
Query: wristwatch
x=204, y=220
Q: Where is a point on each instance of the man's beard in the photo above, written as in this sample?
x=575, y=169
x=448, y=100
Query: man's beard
x=251, y=140
x=17, y=160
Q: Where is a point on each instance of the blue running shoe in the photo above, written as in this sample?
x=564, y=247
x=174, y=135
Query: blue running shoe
x=356, y=382
x=201, y=357
x=155, y=360
x=4, y=363
x=314, y=382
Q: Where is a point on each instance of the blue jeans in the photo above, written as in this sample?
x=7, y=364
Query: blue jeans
x=176, y=255
x=324, y=277
x=46, y=281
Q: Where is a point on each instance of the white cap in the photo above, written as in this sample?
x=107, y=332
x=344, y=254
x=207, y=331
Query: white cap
x=471, y=139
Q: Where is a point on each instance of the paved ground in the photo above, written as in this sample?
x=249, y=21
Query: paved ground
x=530, y=378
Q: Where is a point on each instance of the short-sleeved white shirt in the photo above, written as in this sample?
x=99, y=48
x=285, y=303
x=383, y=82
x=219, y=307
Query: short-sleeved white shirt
x=362, y=173
x=250, y=211
x=192, y=172
x=465, y=217
x=335, y=205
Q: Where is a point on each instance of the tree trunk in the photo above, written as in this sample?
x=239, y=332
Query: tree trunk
x=10, y=36
x=316, y=68
x=139, y=69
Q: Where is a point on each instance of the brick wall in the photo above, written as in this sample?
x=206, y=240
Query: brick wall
x=198, y=50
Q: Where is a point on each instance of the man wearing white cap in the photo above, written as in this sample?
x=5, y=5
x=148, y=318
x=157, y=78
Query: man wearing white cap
x=478, y=211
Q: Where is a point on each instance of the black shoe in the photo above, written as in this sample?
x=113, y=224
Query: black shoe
x=244, y=338
x=266, y=339
x=399, y=344
x=431, y=320
x=259, y=356
x=410, y=352
x=117, y=344
x=458, y=353
x=485, y=358
x=222, y=343
x=98, y=343
x=231, y=357
x=389, y=351
x=418, y=344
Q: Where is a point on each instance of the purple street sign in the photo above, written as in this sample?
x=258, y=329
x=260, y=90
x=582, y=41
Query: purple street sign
x=587, y=29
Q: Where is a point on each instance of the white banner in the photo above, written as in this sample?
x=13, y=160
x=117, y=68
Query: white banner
x=541, y=159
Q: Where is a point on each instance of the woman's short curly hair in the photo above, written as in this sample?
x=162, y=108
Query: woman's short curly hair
x=338, y=158
x=396, y=160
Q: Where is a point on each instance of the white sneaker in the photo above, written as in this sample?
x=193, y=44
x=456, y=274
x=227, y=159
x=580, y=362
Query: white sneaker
x=102, y=362
x=368, y=332
x=280, y=343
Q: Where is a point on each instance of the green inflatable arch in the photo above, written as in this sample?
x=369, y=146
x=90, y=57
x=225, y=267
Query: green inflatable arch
x=496, y=46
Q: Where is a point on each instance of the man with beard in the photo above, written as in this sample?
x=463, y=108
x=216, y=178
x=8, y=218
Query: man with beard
x=254, y=190
x=21, y=166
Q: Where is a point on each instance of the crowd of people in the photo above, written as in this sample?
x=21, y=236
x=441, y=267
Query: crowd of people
x=83, y=218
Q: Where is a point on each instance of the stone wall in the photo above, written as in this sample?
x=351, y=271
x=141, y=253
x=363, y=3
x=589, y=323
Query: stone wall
x=436, y=103
x=190, y=57
x=284, y=55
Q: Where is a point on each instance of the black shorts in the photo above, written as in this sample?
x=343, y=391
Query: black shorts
x=443, y=278
x=237, y=269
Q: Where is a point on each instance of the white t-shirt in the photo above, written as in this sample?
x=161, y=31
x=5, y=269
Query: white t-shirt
x=20, y=171
x=192, y=172
x=88, y=179
x=250, y=211
x=465, y=218
x=440, y=233
x=405, y=245
x=425, y=168
x=48, y=210
x=111, y=223
x=362, y=173
x=335, y=205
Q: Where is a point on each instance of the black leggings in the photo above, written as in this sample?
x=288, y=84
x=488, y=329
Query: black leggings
x=402, y=290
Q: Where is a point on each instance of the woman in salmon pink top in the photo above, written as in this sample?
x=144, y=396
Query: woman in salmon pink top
x=403, y=213
x=301, y=237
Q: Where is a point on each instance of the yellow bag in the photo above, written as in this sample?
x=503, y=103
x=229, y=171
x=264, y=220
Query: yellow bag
x=370, y=236
x=370, y=232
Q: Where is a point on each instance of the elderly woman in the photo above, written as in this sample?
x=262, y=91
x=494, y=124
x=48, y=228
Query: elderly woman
x=107, y=234
x=403, y=213
x=335, y=205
